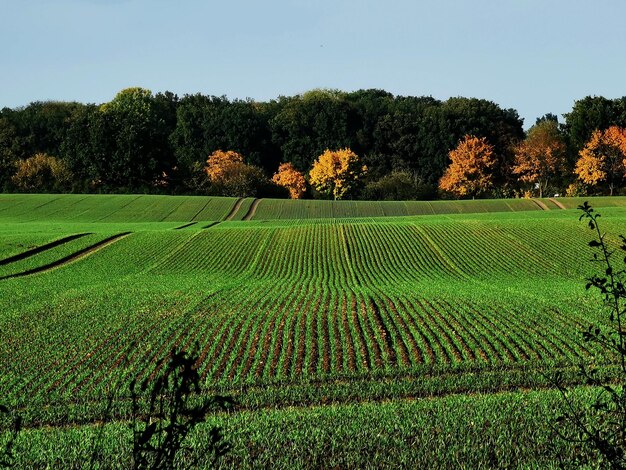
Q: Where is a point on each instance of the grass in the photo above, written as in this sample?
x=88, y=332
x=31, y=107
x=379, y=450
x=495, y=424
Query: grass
x=458, y=431
x=382, y=325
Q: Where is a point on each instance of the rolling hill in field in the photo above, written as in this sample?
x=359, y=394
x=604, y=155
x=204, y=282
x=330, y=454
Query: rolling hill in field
x=347, y=331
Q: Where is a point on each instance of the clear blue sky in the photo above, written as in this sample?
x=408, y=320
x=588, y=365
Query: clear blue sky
x=536, y=56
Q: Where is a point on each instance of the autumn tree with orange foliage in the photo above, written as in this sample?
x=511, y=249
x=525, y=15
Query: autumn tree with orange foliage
x=603, y=159
x=230, y=176
x=337, y=172
x=540, y=156
x=220, y=165
x=470, y=172
x=290, y=178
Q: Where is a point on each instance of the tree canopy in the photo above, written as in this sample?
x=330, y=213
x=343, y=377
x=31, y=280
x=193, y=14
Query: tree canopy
x=603, y=159
x=337, y=173
x=141, y=141
x=471, y=168
x=541, y=156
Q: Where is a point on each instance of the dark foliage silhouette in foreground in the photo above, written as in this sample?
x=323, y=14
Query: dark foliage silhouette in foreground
x=175, y=407
x=598, y=431
x=15, y=424
x=165, y=410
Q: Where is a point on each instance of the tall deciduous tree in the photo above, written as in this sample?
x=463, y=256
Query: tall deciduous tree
x=541, y=155
x=482, y=118
x=290, y=178
x=603, y=159
x=471, y=168
x=337, y=172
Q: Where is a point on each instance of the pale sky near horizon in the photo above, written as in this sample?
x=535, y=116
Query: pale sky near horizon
x=536, y=56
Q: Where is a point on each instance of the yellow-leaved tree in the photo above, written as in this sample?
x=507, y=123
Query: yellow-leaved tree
x=288, y=177
x=541, y=155
x=603, y=158
x=337, y=172
x=470, y=172
x=42, y=172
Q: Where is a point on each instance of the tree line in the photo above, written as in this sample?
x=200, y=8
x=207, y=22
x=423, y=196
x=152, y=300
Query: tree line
x=161, y=143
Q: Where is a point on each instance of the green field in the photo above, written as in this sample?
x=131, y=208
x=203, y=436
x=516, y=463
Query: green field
x=351, y=334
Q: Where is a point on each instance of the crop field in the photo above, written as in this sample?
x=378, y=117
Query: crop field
x=351, y=334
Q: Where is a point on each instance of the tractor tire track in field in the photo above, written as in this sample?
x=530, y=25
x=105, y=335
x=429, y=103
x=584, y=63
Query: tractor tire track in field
x=540, y=204
x=70, y=258
x=185, y=226
x=201, y=209
x=234, y=210
x=251, y=210
x=557, y=203
x=212, y=224
x=39, y=249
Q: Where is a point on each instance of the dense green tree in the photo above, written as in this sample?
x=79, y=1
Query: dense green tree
x=141, y=154
x=41, y=126
x=123, y=143
x=207, y=123
x=413, y=136
x=589, y=114
x=145, y=141
x=87, y=146
x=547, y=117
x=399, y=186
x=196, y=128
x=370, y=107
x=9, y=150
x=310, y=123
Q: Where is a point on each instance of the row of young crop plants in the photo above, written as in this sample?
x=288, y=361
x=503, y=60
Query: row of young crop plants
x=370, y=349
x=269, y=209
x=380, y=254
x=145, y=208
x=299, y=314
x=113, y=208
x=368, y=254
x=272, y=331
